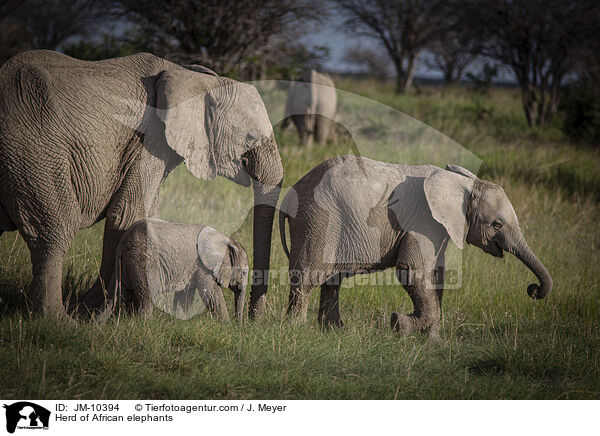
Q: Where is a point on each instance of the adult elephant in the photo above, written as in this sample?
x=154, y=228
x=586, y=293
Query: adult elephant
x=84, y=141
x=311, y=105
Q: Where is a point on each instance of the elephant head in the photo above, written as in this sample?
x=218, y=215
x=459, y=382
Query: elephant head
x=221, y=127
x=480, y=213
x=227, y=261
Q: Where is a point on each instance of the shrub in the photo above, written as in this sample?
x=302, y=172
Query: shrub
x=582, y=113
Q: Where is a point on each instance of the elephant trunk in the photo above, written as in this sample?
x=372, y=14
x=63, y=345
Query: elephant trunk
x=525, y=255
x=266, y=171
x=240, y=299
x=265, y=200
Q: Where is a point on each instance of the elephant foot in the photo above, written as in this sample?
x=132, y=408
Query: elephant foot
x=401, y=323
x=52, y=311
x=434, y=335
x=91, y=300
x=407, y=324
x=257, y=308
x=61, y=316
x=67, y=319
x=100, y=317
x=329, y=323
x=435, y=339
x=81, y=312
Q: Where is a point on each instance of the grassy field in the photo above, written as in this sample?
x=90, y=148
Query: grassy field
x=496, y=342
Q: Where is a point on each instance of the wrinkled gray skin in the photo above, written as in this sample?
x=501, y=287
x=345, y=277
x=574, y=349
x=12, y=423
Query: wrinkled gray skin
x=156, y=257
x=353, y=215
x=82, y=141
x=311, y=105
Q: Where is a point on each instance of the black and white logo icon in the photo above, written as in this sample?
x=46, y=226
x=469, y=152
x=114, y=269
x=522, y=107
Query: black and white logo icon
x=26, y=415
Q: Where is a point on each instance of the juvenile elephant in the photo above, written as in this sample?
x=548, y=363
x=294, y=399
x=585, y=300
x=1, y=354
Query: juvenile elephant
x=85, y=141
x=311, y=105
x=353, y=215
x=158, y=261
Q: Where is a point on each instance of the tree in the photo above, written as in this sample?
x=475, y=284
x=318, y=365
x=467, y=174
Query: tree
x=287, y=59
x=456, y=45
x=452, y=52
x=11, y=37
x=538, y=40
x=224, y=36
x=373, y=62
x=581, y=102
x=482, y=80
x=106, y=48
x=404, y=27
x=45, y=24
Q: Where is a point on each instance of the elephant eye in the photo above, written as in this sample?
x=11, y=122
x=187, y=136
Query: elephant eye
x=252, y=135
x=497, y=224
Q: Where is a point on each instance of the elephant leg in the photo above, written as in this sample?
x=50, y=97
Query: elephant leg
x=211, y=295
x=145, y=305
x=322, y=128
x=95, y=298
x=329, y=310
x=300, y=289
x=217, y=303
x=114, y=295
x=45, y=291
x=438, y=282
x=57, y=219
x=142, y=281
x=308, y=140
x=299, y=123
x=414, y=270
x=298, y=305
x=305, y=124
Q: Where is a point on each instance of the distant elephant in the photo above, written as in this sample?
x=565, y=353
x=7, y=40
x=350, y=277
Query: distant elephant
x=157, y=259
x=311, y=105
x=83, y=141
x=352, y=215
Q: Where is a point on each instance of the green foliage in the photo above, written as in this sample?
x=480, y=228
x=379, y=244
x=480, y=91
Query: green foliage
x=109, y=47
x=582, y=113
x=496, y=341
x=483, y=79
x=291, y=60
x=480, y=110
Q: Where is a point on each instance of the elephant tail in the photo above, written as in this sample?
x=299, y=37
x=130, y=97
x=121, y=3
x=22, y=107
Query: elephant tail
x=282, y=217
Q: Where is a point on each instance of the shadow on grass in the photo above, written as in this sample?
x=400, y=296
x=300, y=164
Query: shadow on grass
x=488, y=366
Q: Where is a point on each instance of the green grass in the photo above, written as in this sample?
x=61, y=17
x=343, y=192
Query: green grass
x=497, y=342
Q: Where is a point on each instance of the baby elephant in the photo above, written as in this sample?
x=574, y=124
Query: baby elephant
x=164, y=264
x=353, y=215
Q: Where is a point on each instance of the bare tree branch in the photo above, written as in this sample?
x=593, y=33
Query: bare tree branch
x=46, y=24
x=404, y=28
x=221, y=35
x=538, y=40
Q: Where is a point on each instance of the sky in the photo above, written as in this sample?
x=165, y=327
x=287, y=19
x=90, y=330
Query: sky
x=339, y=41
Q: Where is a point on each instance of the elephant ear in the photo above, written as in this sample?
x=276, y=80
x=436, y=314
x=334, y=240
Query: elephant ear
x=460, y=170
x=200, y=69
x=448, y=195
x=214, y=252
x=184, y=105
